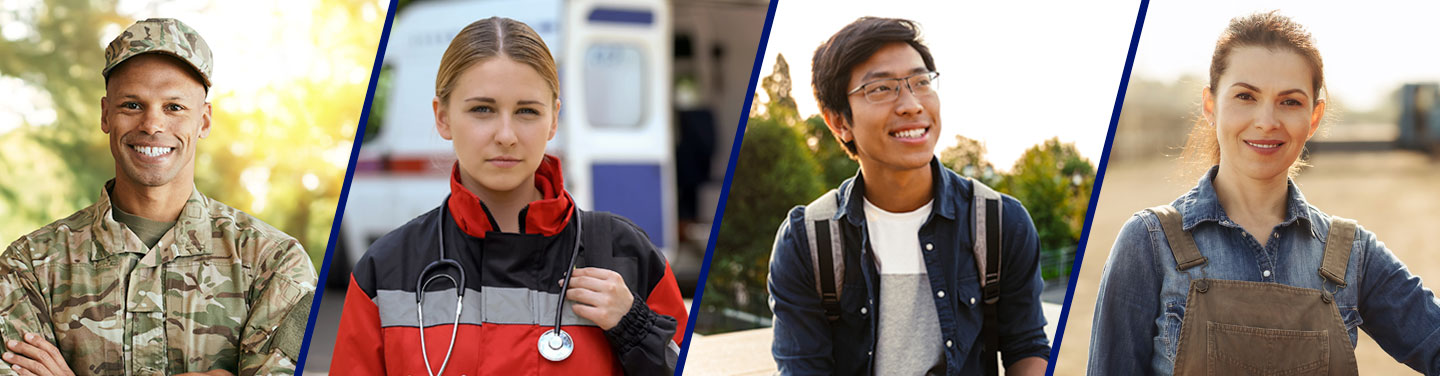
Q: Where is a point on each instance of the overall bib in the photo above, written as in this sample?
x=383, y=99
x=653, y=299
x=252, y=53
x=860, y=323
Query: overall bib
x=1260, y=328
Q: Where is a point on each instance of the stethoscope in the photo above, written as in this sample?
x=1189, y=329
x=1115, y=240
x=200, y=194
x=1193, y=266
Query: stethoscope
x=554, y=344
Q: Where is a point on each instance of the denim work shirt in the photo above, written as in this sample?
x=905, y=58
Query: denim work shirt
x=1142, y=298
x=806, y=343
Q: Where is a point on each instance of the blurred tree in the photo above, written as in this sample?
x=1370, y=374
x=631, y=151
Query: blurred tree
x=781, y=106
x=835, y=164
x=786, y=162
x=289, y=141
x=48, y=171
x=1054, y=182
x=775, y=171
x=967, y=157
x=277, y=150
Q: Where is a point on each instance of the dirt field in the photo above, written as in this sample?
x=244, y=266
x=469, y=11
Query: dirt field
x=1395, y=194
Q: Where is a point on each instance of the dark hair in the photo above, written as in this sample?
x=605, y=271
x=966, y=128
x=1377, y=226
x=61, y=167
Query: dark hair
x=1269, y=30
x=852, y=45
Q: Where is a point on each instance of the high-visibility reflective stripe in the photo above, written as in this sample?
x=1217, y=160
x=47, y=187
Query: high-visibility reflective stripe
x=496, y=305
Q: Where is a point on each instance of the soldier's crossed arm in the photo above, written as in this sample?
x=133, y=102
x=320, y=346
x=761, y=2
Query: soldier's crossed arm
x=24, y=307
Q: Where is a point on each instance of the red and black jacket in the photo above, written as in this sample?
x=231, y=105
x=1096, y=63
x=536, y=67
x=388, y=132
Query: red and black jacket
x=511, y=293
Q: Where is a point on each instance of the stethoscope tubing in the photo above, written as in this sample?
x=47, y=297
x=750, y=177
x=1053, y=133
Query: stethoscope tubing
x=421, y=282
x=565, y=286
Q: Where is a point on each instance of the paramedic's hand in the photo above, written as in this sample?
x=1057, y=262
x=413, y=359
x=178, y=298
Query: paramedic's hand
x=35, y=356
x=600, y=296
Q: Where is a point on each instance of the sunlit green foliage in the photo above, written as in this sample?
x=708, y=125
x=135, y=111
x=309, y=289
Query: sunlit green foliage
x=786, y=161
x=279, y=143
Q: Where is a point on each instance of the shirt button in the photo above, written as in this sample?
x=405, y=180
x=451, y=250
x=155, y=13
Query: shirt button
x=870, y=353
x=1265, y=273
x=940, y=293
x=1276, y=235
x=863, y=310
x=947, y=344
x=972, y=301
x=929, y=246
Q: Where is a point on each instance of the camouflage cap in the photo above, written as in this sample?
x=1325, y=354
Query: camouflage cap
x=160, y=35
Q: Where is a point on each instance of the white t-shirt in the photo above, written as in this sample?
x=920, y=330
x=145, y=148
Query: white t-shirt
x=909, y=340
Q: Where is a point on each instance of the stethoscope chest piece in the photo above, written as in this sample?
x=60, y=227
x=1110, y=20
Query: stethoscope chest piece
x=556, y=345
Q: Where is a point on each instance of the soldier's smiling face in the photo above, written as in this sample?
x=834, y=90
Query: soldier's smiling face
x=155, y=111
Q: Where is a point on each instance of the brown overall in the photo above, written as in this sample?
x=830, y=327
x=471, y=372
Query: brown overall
x=1259, y=328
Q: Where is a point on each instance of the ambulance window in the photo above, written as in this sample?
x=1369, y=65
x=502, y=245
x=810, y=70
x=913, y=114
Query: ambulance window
x=615, y=85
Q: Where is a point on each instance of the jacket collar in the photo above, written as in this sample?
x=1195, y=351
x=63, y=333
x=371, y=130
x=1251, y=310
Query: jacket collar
x=947, y=188
x=546, y=216
x=182, y=240
x=1202, y=204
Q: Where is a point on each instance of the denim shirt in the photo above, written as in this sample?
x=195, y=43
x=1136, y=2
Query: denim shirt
x=806, y=343
x=1141, y=304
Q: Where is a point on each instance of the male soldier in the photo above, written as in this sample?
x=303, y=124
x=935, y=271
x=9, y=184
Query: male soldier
x=878, y=276
x=155, y=278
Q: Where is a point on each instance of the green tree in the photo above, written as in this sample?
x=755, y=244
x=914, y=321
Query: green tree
x=775, y=171
x=1054, y=182
x=49, y=171
x=277, y=150
x=781, y=106
x=835, y=164
x=773, y=174
x=967, y=157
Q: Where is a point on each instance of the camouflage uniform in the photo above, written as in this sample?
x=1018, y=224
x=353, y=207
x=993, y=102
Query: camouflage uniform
x=221, y=290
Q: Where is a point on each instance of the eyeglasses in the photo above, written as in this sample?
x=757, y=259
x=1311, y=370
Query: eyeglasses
x=887, y=89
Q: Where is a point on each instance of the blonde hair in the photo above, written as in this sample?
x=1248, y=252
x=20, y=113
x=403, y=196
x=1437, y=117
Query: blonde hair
x=491, y=37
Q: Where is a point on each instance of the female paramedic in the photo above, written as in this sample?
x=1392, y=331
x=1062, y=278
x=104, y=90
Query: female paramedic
x=507, y=276
x=1240, y=275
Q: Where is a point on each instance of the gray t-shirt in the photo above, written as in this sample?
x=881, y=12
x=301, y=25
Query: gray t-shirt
x=909, y=336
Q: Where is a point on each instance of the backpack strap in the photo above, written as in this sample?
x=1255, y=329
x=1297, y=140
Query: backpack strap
x=987, y=247
x=1182, y=245
x=1337, y=249
x=988, y=206
x=827, y=251
x=595, y=237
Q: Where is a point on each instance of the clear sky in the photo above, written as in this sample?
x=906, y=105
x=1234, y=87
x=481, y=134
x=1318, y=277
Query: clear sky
x=1369, y=47
x=1013, y=74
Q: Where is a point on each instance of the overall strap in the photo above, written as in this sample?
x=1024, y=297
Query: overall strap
x=827, y=251
x=1337, y=249
x=988, y=207
x=1182, y=245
